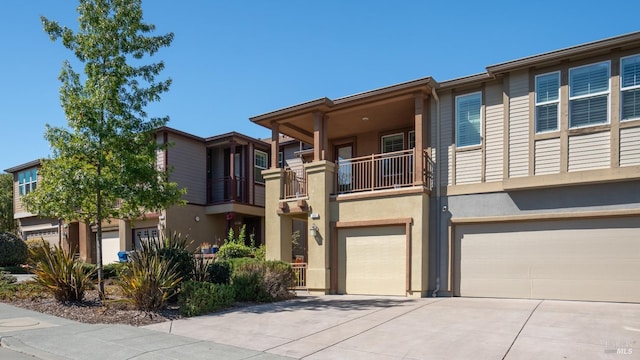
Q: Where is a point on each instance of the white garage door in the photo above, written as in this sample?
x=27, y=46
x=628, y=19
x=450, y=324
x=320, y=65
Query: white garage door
x=372, y=261
x=594, y=259
x=110, y=247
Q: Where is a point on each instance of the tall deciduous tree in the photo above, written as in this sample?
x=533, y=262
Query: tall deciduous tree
x=103, y=162
x=7, y=222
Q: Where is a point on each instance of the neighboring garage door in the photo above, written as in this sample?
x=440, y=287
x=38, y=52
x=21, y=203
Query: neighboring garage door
x=590, y=259
x=110, y=247
x=372, y=261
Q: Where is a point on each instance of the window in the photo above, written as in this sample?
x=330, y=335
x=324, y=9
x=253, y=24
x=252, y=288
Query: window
x=589, y=95
x=27, y=181
x=280, y=160
x=391, y=143
x=547, y=102
x=630, y=88
x=468, y=119
x=260, y=163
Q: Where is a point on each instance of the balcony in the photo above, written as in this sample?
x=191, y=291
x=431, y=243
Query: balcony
x=391, y=170
x=227, y=189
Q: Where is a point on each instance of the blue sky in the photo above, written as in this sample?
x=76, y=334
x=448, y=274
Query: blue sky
x=231, y=60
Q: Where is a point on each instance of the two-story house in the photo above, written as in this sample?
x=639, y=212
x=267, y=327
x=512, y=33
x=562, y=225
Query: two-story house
x=522, y=181
x=222, y=176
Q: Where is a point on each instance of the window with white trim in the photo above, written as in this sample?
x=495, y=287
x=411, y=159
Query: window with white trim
x=394, y=142
x=468, y=119
x=260, y=163
x=27, y=181
x=630, y=88
x=589, y=95
x=547, y=102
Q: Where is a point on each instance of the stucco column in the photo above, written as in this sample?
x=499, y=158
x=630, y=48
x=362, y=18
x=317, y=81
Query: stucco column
x=320, y=176
x=125, y=234
x=86, y=243
x=277, y=227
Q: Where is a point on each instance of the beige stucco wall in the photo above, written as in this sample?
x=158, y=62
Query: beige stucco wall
x=182, y=219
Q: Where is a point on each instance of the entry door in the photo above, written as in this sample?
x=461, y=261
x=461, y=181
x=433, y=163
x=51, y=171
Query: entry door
x=238, y=175
x=345, y=171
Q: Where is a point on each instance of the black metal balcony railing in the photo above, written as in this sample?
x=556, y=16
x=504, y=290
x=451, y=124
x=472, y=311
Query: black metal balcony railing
x=227, y=189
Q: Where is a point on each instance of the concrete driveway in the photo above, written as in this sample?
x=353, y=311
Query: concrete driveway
x=360, y=327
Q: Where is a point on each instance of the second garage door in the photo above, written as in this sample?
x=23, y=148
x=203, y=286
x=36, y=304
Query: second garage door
x=372, y=261
x=594, y=259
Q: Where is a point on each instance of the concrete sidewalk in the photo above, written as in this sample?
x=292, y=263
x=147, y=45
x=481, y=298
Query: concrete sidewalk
x=25, y=334
x=359, y=327
x=344, y=327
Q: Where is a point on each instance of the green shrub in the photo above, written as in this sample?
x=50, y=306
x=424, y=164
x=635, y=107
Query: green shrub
x=247, y=282
x=32, y=244
x=174, y=248
x=197, y=298
x=148, y=279
x=219, y=272
x=112, y=270
x=13, y=251
x=260, y=253
x=59, y=273
x=278, y=279
x=15, y=269
x=200, y=271
x=6, y=278
x=235, y=247
x=261, y=281
x=24, y=290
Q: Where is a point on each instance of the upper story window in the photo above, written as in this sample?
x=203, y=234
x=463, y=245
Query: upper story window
x=589, y=95
x=468, y=119
x=547, y=102
x=412, y=139
x=394, y=142
x=27, y=181
x=260, y=163
x=630, y=88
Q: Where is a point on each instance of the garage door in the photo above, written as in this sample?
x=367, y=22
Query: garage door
x=594, y=259
x=372, y=261
x=110, y=247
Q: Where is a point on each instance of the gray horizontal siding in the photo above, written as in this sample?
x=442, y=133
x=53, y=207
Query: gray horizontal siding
x=630, y=146
x=469, y=166
x=547, y=156
x=591, y=151
x=519, y=124
x=494, y=133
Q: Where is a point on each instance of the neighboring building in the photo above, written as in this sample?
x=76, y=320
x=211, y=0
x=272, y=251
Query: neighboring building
x=520, y=182
x=224, y=190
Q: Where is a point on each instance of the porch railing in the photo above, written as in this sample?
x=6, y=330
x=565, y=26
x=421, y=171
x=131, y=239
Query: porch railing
x=295, y=183
x=382, y=171
x=300, y=275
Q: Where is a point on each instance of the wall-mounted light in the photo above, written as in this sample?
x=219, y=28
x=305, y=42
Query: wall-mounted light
x=197, y=218
x=364, y=118
x=313, y=231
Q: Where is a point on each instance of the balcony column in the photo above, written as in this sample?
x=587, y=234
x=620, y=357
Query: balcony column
x=420, y=126
x=275, y=144
x=278, y=228
x=232, y=170
x=320, y=177
x=319, y=136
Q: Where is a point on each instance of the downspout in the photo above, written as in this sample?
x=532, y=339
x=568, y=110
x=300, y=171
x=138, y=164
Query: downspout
x=438, y=200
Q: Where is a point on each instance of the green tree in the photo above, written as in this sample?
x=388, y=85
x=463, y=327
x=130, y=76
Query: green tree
x=7, y=222
x=103, y=163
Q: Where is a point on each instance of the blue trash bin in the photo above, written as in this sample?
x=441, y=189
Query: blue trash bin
x=122, y=256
